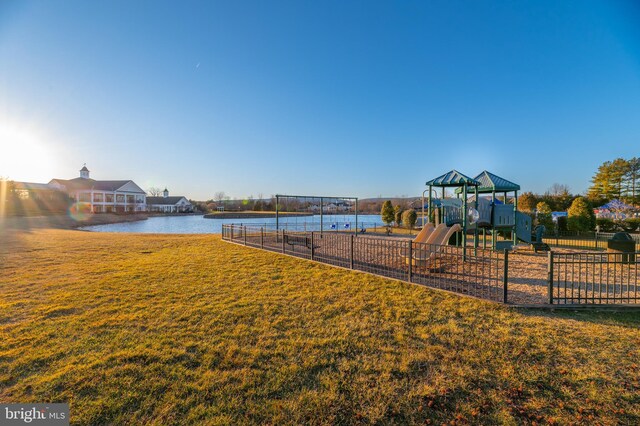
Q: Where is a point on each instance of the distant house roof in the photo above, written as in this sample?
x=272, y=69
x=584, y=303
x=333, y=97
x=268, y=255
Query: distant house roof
x=84, y=169
x=32, y=186
x=493, y=183
x=453, y=178
x=98, y=185
x=165, y=200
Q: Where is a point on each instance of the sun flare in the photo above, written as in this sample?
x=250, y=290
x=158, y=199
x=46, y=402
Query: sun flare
x=25, y=153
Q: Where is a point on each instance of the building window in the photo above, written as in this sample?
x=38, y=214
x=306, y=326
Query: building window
x=84, y=197
x=108, y=198
x=98, y=198
x=130, y=199
x=120, y=198
x=139, y=199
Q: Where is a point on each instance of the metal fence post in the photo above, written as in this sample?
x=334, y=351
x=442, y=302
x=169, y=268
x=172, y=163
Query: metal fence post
x=550, y=277
x=313, y=247
x=261, y=237
x=232, y=229
x=596, y=240
x=244, y=233
x=283, y=241
x=410, y=272
x=505, y=276
x=351, y=251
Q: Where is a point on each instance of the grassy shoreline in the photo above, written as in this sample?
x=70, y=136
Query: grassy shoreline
x=133, y=328
x=26, y=223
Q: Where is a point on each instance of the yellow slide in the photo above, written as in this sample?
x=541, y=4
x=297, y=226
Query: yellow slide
x=428, y=251
x=424, y=233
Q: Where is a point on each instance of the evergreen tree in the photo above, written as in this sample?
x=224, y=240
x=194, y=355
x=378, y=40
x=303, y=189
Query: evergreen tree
x=409, y=218
x=387, y=213
x=610, y=180
x=581, y=217
x=633, y=177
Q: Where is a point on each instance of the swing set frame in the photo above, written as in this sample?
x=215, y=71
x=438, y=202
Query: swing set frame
x=321, y=199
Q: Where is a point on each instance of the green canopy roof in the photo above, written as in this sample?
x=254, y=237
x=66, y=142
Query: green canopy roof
x=490, y=183
x=453, y=178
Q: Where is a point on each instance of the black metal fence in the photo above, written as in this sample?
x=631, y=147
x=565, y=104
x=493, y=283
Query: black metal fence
x=582, y=240
x=593, y=278
x=335, y=226
x=479, y=272
x=579, y=278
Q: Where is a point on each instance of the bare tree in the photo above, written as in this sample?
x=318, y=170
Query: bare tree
x=558, y=189
x=219, y=196
x=154, y=191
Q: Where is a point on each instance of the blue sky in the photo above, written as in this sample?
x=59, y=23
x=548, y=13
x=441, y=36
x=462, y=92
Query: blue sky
x=334, y=98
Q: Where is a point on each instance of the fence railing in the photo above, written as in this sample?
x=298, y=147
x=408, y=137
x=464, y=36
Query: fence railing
x=478, y=272
x=593, y=278
x=582, y=240
x=335, y=226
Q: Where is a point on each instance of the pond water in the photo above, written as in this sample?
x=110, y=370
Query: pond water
x=200, y=225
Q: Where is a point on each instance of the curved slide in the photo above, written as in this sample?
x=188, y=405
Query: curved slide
x=523, y=227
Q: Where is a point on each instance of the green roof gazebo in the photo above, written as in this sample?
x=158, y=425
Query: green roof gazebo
x=494, y=184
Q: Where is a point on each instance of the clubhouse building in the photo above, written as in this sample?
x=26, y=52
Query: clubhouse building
x=103, y=196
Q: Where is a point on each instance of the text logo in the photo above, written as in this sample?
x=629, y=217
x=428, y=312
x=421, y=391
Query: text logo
x=34, y=414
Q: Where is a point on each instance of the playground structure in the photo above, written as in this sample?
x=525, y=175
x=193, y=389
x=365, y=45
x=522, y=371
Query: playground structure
x=474, y=213
x=443, y=256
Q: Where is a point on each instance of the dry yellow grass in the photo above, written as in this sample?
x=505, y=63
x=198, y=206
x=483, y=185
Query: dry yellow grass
x=166, y=329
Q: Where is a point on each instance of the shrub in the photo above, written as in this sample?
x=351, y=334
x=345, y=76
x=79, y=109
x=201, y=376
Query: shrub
x=409, y=218
x=387, y=214
x=398, y=210
x=605, y=224
x=631, y=224
x=581, y=217
x=543, y=215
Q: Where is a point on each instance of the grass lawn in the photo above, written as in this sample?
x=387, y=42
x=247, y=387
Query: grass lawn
x=170, y=329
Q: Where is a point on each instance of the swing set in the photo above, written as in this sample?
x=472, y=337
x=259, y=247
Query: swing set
x=316, y=213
